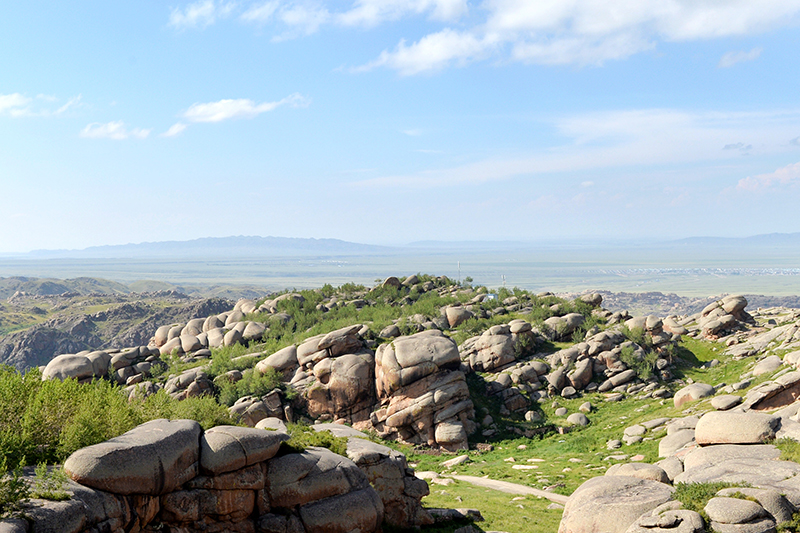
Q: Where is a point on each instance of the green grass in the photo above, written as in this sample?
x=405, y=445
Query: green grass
x=501, y=511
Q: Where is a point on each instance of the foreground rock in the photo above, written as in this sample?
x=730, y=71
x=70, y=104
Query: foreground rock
x=171, y=476
x=611, y=504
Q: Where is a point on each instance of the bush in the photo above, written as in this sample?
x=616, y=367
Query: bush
x=695, y=496
x=252, y=383
x=303, y=436
x=45, y=421
x=14, y=491
x=643, y=366
x=49, y=483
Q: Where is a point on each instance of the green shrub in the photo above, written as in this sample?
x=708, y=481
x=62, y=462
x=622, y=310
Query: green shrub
x=695, y=496
x=303, y=436
x=644, y=367
x=14, y=491
x=253, y=383
x=50, y=483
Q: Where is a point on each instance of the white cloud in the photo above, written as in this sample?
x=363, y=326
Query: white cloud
x=373, y=12
x=112, y=130
x=731, y=58
x=260, y=13
x=238, y=109
x=200, y=14
x=18, y=105
x=302, y=19
x=433, y=52
x=413, y=132
x=591, y=32
x=788, y=175
x=174, y=130
x=14, y=104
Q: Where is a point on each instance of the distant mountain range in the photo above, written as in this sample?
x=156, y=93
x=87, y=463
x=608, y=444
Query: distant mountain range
x=237, y=246
x=767, y=239
x=254, y=246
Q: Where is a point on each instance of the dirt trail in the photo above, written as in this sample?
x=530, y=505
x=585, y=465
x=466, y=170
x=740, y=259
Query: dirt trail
x=511, y=488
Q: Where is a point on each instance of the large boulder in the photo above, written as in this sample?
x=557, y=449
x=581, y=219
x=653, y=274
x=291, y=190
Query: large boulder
x=67, y=366
x=693, y=392
x=153, y=458
x=731, y=427
x=610, y=504
x=344, y=387
x=228, y=448
x=423, y=393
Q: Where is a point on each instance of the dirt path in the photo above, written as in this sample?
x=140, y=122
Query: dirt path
x=511, y=488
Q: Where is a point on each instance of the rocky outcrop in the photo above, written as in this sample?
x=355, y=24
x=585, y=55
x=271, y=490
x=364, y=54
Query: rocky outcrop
x=171, y=476
x=499, y=346
x=388, y=472
x=422, y=392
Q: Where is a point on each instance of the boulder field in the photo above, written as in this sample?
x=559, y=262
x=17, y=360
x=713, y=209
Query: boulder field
x=411, y=385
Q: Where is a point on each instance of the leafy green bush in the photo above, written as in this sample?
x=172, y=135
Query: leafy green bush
x=45, y=421
x=253, y=383
x=14, y=491
x=303, y=436
x=50, y=483
x=695, y=496
x=643, y=366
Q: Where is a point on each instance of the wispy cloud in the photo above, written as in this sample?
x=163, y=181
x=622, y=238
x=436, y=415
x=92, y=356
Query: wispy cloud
x=239, y=109
x=260, y=13
x=174, y=130
x=200, y=14
x=731, y=58
x=373, y=12
x=433, y=52
x=591, y=32
x=19, y=105
x=413, y=132
x=113, y=130
x=595, y=142
x=14, y=104
x=784, y=176
x=742, y=147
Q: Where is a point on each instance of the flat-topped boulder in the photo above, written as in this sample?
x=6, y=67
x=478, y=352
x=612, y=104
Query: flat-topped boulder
x=153, y=458
x=227, y=448
x=317, y=473
x=733, y=427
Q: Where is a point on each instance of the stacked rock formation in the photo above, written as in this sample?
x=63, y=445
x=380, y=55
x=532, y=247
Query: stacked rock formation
x=126, y=367
x=388, y=472
x=422, y=392
x=224, y=329
x=170, y=475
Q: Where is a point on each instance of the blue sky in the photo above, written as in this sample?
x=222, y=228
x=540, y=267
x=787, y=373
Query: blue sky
x=397, y=120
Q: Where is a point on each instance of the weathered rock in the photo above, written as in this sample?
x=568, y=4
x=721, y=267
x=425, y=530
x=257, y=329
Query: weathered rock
x=227, y=448
x=674, y=442
x=692, y=392
x=733, y=510
x=639, y=470
x=727, y=427
x=611, y=504
x=69, y=366
x=153, y=458
x=317, y=473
